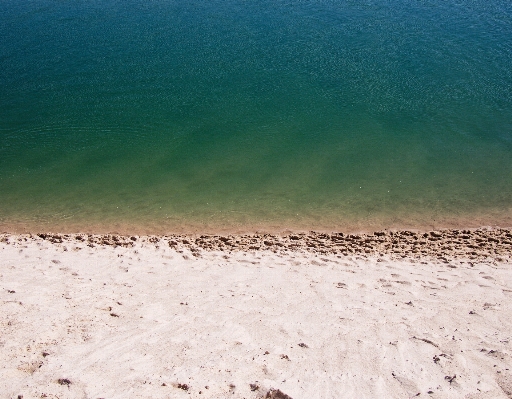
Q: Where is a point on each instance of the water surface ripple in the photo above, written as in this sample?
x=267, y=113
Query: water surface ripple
x=182, y=115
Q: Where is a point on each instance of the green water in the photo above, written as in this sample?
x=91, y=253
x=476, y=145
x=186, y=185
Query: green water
x=171, y=115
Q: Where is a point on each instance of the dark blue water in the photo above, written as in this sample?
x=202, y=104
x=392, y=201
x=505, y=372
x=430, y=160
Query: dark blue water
x=172, y=115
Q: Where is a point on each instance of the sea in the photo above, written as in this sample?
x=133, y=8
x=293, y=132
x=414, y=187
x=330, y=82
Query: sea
x=161, y=116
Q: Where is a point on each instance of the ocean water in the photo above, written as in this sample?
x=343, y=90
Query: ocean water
x=170, y=115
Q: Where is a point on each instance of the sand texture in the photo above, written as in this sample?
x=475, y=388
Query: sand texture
x=306, y=315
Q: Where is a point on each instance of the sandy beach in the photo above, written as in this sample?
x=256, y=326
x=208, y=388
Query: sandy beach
x=256, y=199
x=305, y=315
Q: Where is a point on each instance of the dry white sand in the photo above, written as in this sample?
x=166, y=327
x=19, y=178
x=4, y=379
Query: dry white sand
x=146, y=322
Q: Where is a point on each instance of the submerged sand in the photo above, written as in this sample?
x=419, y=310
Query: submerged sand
x=387, y=315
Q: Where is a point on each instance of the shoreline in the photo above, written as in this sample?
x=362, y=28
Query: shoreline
x=470, y=244
x=231, y=226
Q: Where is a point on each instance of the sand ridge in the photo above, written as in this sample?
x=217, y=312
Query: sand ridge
x=107, y=316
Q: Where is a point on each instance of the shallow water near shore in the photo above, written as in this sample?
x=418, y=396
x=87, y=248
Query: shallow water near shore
x=172, y=116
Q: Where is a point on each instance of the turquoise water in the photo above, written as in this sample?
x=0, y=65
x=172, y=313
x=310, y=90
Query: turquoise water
x=175, y=115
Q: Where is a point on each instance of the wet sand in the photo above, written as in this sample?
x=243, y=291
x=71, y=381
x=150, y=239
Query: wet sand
x=308, y=315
